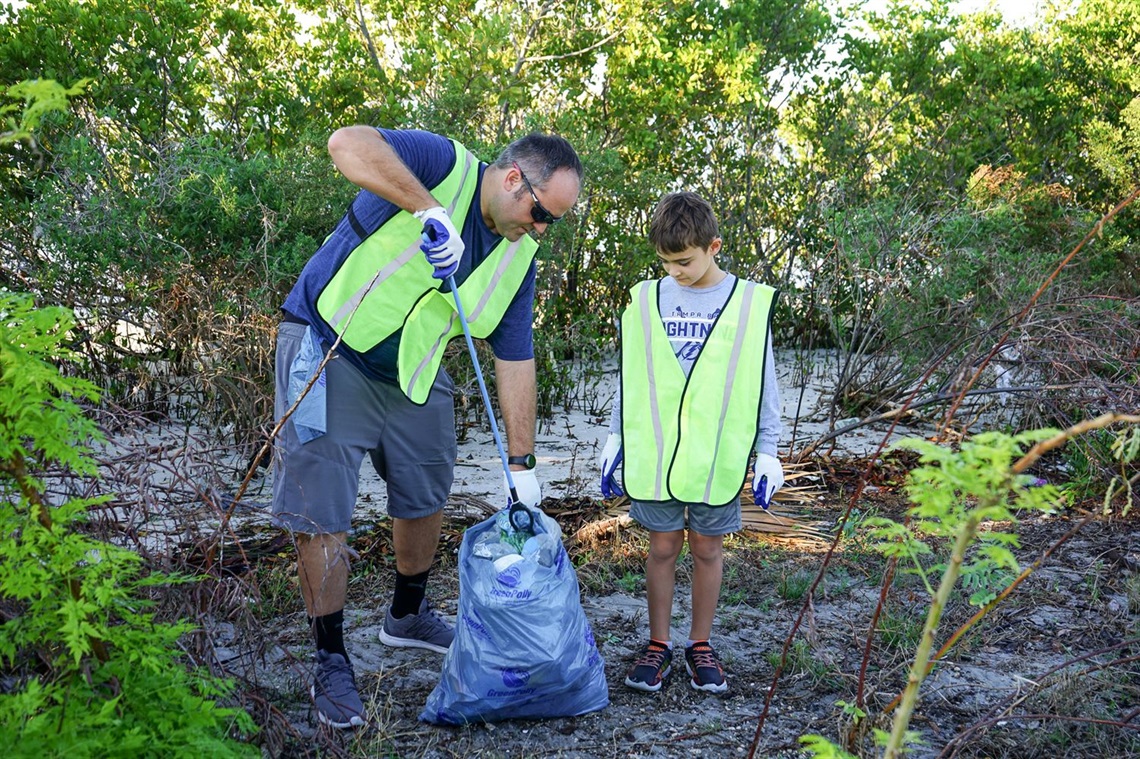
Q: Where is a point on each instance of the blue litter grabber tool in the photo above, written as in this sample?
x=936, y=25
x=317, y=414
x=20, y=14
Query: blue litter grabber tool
x=520, y=516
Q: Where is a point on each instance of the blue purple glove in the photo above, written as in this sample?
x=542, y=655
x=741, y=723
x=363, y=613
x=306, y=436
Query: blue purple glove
x=767, y=478
x=442, y=244
x=609, y=462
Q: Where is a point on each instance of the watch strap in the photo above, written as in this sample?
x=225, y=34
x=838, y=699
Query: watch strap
x=528, y=461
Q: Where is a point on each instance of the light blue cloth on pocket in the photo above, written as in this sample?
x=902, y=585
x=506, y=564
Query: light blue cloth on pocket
x=310, y=418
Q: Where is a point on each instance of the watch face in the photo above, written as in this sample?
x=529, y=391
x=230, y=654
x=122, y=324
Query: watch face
x=529, y=461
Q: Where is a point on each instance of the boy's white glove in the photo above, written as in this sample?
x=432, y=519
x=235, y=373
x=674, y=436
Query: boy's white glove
x=767, y=478
x=441, y=243
x=609, y=462
x=526, y=487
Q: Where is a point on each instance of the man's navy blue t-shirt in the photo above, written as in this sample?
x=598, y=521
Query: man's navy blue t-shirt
x=430, y=158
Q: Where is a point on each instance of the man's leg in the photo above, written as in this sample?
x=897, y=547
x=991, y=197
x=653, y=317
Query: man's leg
x=416, y=458
x=415, y=542
x=322, y=568
x=411, y=621
x=314, y=491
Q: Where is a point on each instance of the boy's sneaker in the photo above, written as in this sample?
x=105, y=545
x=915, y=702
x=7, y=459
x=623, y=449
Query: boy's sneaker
x=650, y=668
x=334, y=692
x=704, y=668
x=428, y=629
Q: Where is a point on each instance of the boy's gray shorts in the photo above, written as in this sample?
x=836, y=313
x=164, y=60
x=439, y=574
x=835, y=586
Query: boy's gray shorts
x=671, y=516
x=412, y=447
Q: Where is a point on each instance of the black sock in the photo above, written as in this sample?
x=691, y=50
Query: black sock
x=409, y=594
x=328, y=632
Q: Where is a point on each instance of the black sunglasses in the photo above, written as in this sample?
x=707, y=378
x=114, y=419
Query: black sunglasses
x=538, y=211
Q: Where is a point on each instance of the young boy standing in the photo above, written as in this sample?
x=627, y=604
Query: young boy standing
x=698, y=396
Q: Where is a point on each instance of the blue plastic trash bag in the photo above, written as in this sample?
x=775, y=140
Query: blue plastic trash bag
x=523, y=647
x=309, y=419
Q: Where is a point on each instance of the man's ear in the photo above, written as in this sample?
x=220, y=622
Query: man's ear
x=512, y=179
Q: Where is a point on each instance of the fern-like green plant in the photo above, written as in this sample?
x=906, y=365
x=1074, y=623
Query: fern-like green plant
x=88, y=670
x=954, y=493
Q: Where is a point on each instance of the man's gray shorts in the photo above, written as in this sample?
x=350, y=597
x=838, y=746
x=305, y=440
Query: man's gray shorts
x=671, y=516
x=412, y=447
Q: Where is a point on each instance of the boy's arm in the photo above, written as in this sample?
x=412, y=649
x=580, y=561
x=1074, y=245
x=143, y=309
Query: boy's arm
x=611, y=456
x=767, y=472
x=768, y=434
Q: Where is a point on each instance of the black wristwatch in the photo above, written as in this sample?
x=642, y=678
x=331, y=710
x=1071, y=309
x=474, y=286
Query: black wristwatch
x=529, y=461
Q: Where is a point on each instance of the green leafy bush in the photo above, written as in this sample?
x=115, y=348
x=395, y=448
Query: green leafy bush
x=87, y=669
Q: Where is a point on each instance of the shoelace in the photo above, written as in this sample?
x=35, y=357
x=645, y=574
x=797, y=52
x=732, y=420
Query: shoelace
x=432, y=612
x=704, y=656
x=426, y=621
x=653, y=657
x=336, y=680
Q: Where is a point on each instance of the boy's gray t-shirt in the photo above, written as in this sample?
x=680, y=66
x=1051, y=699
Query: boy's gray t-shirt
x=688, y=314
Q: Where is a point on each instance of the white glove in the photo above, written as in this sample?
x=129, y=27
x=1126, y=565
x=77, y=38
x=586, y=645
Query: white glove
x=609, y=461
x=442, y=245
x=526, y=487
x=767, y=478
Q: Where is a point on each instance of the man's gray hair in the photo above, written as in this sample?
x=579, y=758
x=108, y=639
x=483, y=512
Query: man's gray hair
x=540, y=155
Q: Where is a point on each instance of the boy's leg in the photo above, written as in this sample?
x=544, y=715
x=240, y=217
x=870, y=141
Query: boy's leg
x=708, y=571
x=654, y=663
x=660, y=576
x=707, y=528
x=666, y=525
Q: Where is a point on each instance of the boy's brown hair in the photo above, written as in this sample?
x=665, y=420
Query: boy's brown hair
x=682, y=220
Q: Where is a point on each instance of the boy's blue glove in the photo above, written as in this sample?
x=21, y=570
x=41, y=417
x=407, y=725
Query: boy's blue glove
x=609, y=462
x=442, y=245
x=767, y=478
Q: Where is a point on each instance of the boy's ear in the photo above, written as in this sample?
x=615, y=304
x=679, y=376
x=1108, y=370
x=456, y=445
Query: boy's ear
x=714, y=246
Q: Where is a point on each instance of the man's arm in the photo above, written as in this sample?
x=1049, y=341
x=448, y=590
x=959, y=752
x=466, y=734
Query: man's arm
x=518, y=400
x=366, y=159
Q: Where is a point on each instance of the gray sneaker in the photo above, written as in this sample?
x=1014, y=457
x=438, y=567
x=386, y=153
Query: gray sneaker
x=334, y=692
x=424, y=630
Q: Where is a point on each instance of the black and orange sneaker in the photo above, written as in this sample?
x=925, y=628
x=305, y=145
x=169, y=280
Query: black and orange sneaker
x=704, y=668
x=651, y=667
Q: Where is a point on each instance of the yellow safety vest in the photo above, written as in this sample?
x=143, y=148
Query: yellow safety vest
x=689, y=439
x=386, y=284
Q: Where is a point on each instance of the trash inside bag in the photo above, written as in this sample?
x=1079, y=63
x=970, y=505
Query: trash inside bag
x=523, y=647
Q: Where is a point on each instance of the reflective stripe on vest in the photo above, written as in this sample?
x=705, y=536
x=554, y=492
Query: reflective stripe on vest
x=689, y=440
x=368, y=297
x=486, y=295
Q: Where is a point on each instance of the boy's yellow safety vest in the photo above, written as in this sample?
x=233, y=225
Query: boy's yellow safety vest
x=689, y=439
x=386, y=284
